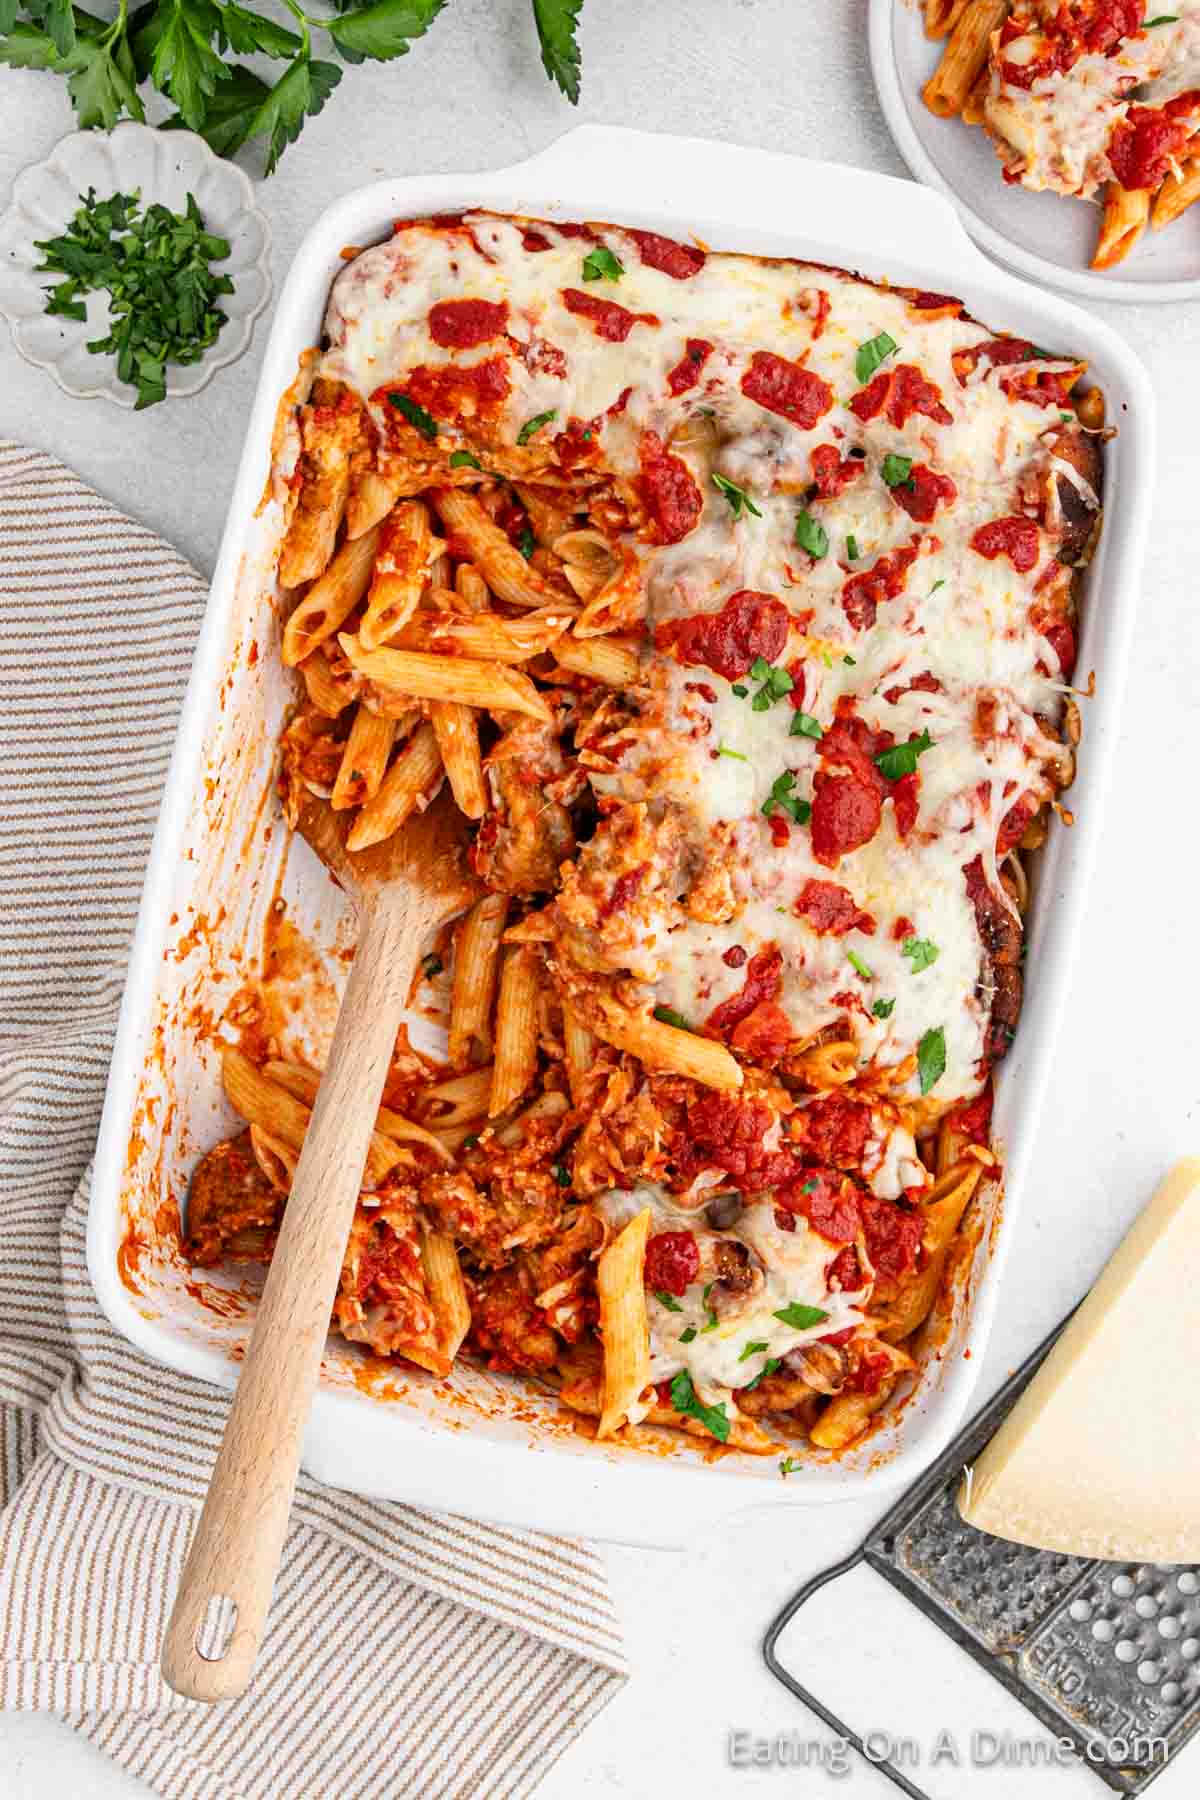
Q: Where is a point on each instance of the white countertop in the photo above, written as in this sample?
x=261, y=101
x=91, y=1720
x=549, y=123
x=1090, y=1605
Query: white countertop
x=1125, y=1103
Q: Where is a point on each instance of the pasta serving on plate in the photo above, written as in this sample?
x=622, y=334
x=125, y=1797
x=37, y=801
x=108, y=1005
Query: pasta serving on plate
x=736, y=601
x=1097, y=98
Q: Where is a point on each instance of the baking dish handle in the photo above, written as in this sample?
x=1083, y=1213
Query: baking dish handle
x=627, y=171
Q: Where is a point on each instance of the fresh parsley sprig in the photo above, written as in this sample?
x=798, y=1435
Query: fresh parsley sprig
x=182, y=48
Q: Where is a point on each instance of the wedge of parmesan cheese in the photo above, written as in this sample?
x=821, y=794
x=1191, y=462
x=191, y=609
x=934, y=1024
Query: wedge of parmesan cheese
x=1101, y=1454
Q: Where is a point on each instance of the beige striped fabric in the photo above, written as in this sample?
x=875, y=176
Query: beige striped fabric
x=408, y=1653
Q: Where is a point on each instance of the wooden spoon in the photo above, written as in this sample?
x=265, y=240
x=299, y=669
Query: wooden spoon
x=405, y=888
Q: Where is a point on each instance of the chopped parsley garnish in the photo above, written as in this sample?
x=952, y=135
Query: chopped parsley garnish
x=883, y=1009
x=753, y=1349
x=768, y=1368
x=872, y=353
x=852, y=660
x=789, y=1464
x=561, y=1174
x=1161, y=19
x=153, y=265
x=737, y=755
x=601, y=265
x=470, y=1141
x=859, y=966
x=804, y=725
x=1067, y=418
x=740, y=689
x=432, y=964
x=686, y=1401
x=416, y=415
x=462, y=459
x=931, y=1058
x=531, y=427
x=799, y=1316
x=781, y=796
x=686, y=1336
x=739, y=500
x=709, y=1314
x=666, y=1015
x=810, y=1187
x=897, y=470
x=901, y=759
x=851, y=548
x=775, y=684
x=667, y=1300
x=811, y=536
x=937, y=584
x=921, y=953
x=527, y=543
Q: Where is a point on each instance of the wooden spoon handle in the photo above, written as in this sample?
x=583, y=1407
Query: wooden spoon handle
x=238, y=1541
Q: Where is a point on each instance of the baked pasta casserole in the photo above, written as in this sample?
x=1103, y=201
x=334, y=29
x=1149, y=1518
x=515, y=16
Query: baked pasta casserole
x=736, y=601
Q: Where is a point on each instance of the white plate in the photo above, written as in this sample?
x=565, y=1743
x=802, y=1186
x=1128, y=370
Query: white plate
x=480, y=1443
x=163, y=166
x=1046, y=236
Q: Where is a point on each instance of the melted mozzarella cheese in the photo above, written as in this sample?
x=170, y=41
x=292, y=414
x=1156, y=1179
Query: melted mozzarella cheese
x=962, y=619
x=793, y=1264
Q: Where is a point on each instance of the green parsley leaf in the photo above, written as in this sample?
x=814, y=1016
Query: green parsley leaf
x=470, y=1141
x=755, y=1348
x=883, y=1009
x=937, y=584
x=526, y=542
x=1067, y=418
x=775, y=684
x=601, y=265
x=901, y=759
x=851, y=548
x=897, y=470
x=871, y=354
x=383, y=30
x=299, y=94
x=851, y=660
x=804, y=725
x=244, y=31
x=557, y=24
x=931, y=1058
x=811, y=536
x=685, y=1400
x=531, y=427
x=739, y=500
x=184, y=64
x=462, y=459
x=667, y=1300
x=58, y=17
x=1162, y=19
x=432, y=964
x=709, y=1314
x=799, y=1316
x=687, y=1334
x=789, y=1464
x=740, y=689
x=810, y=1187
x=666, y=1015
x=734, y=755
x=230, y=112
x=768, y=1368
x=781, y=796
x=561, y=1174
x=416, y=415
x=859, y=966
x=921, y=953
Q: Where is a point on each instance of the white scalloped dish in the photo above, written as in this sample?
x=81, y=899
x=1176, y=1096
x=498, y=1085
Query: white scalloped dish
x=162, y=166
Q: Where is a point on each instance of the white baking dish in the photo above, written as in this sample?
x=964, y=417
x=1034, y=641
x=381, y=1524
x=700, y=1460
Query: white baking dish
x=479, y=1443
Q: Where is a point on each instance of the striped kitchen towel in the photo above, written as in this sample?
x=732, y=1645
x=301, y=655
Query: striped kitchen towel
x=408, y=1653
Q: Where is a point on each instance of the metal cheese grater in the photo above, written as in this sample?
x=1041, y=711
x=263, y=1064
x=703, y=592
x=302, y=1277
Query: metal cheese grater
x=1096, y=1650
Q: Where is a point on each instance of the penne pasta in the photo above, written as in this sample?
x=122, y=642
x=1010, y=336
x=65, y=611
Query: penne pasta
x=330, y=600
x=662, y=1046
x=447, y=678
x=485, y=634
x=579, y=1048
x=611, y=660
x=623, y=1326
x=964, y=56
x=371, y=500
x=476, y=968
x=329, y=693
x=400, y=573
x=462, y=1099
x=271, y=1104
x=1124, y=219
x=584, y=1393
x=500, y=563
x=1177, y=193
x=412, y=781
x=447, y=1293
x=364, y=759
x=516, y=1028
x=458, y=740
